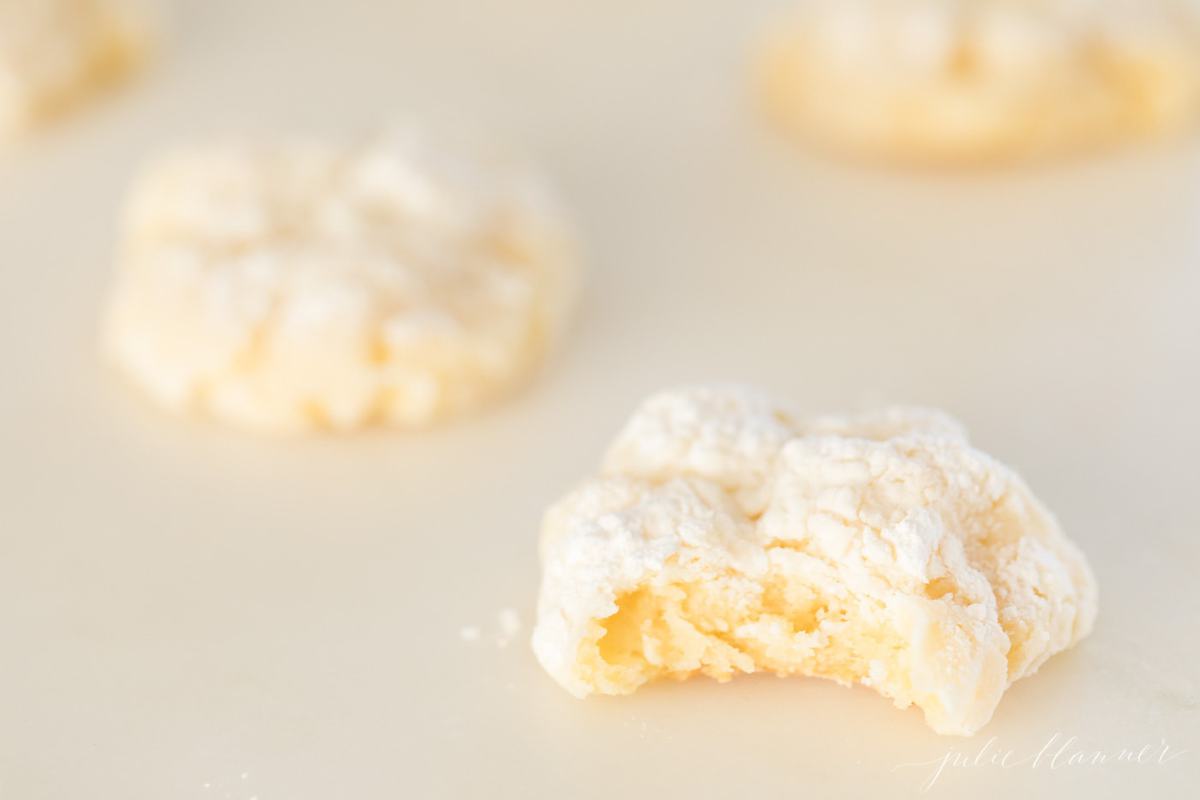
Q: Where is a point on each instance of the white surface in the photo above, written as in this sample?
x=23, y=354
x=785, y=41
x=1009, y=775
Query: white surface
x=181, y=606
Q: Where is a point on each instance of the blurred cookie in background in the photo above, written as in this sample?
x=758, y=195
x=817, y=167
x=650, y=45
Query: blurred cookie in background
x=983, y=80
x=296, y=285
x=53, y=53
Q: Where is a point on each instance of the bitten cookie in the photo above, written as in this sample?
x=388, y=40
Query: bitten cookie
x=54, y=52
x=726, y=535
x=300, y=285
x=980, y=80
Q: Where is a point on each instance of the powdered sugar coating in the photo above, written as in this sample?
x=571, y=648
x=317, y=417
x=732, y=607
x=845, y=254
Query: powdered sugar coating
x=882, y=550
x=298, y=285
x=729, y=435
x=935, y=80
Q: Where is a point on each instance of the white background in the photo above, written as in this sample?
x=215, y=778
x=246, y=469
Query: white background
x=181, y=606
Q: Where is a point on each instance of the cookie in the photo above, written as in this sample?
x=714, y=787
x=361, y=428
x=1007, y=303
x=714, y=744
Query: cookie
x=297, y=285
x=726, y=534
x=983, y=80
x=53, y=53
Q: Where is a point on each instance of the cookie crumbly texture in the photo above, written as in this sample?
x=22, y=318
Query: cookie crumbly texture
x=726, y=535
x=983, y=80
x=298, y=285
x=55, y=52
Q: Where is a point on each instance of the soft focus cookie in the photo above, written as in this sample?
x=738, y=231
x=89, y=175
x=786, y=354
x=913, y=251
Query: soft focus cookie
x=978, y=80
x=726, y=535
x=301, y=285
x=53, y=52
